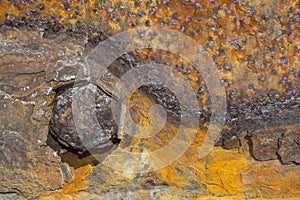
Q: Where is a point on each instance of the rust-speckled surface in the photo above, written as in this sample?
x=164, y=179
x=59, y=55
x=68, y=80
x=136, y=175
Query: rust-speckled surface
x=255, y=48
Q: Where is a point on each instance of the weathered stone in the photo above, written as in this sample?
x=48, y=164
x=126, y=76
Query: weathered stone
x=67, y=172
x=11, y=196
x=231, y=142
x=276, y=143
x=27, y=171
x=224, y=174
x=255, y=49
x=79, y=183
x=289, y=150
x=93, y=136
x=13, y=151
x=265, y=143
x=28, y=167
x=271, y=178
x=63, y=71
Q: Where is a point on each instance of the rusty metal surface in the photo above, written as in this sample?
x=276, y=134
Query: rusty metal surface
x=259, y=63
x=254, y=46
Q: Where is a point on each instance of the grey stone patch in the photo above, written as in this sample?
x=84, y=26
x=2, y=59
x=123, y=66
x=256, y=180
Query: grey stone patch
x=67, y=172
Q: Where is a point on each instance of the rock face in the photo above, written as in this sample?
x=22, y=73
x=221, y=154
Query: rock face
x=62, y=124
x=254, y=46
x=26, y=165
x=280, y=142
x=289, y=147
x=266, y=144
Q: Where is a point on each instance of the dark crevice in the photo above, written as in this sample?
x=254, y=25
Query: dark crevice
x=279, y=145
x=250, y=144
x=74, y=157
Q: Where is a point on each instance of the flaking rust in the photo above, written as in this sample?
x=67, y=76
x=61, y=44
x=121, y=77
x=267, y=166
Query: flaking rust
x=254, y=45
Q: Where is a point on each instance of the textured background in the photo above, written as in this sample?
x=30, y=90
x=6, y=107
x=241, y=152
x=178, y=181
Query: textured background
x=255, y=46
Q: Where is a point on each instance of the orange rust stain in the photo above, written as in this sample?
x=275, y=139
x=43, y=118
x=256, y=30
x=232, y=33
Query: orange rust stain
x=69, y=189
x=185, y=17
x=221, y=170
